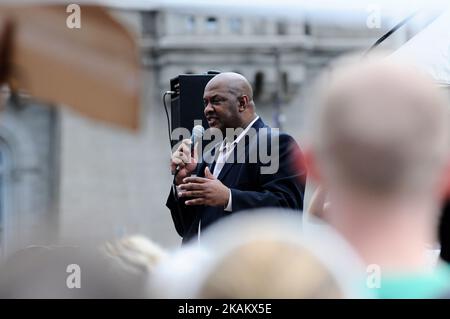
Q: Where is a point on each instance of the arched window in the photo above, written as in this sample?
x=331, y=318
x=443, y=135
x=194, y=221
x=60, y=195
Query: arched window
x=212, y=24
x=4, y=172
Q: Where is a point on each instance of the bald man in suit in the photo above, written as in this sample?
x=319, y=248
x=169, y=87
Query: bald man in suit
x=237, y=176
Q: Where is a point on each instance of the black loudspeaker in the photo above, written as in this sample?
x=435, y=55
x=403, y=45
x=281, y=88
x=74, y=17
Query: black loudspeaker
x=187, y=100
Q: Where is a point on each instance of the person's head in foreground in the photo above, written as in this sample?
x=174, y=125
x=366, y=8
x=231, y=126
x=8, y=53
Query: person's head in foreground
x=380, y=147
x=270, y=269
x=262, y=254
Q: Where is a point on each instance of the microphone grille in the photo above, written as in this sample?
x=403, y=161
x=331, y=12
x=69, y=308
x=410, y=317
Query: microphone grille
x=198, y=131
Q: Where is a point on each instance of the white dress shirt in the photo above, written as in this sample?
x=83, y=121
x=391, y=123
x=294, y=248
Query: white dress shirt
x=225, y=150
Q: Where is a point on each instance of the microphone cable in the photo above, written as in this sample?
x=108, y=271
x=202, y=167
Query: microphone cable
x=389, y=33
x=169, y=128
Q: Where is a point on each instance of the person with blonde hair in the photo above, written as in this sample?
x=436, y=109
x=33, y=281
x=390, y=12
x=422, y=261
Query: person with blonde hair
x=270, y=269
x=380, y=151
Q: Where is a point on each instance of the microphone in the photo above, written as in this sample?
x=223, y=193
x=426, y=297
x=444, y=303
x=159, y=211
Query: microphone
x=197, y=135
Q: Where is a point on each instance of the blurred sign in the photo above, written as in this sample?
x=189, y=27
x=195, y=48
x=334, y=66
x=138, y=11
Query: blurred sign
x=91, y=64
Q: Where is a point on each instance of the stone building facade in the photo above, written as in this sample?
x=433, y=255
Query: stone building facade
x=29, y=174
x=64, y=177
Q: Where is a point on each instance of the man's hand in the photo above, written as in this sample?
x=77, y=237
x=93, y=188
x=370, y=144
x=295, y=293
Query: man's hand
x=182, y=158
x=207, y=191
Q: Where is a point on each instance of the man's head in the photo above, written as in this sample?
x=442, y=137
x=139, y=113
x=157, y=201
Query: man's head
x=228, y=100
x=381, y=131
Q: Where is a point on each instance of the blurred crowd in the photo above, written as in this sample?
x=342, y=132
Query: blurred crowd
x=378, y=153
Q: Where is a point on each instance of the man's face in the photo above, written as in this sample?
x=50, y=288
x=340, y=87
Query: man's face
x=221, y=107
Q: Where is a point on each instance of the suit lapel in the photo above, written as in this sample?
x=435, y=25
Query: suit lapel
x=211, y=157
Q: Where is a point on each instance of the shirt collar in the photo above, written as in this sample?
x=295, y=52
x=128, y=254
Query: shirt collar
x=240, y=136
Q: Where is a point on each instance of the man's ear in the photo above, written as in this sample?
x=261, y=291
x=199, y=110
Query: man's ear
x=243, y=102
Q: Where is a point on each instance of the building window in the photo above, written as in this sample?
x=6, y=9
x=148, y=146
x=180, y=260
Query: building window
x=189, y=24
x=150, y=23
x=260, y=27
x=3, y=197
x=282, y=28
x=235, y=25
x=307, y=28
x=212, y=24
x=285, y=83
x=259, y=85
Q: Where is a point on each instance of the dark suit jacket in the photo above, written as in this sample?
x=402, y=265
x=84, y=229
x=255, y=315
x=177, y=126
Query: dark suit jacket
x=249, y=187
